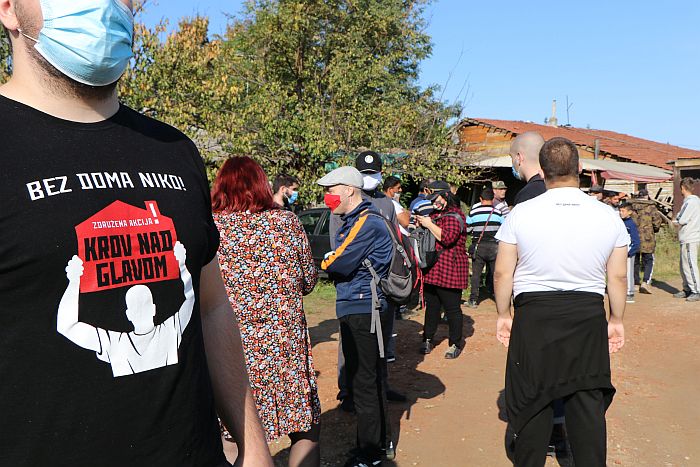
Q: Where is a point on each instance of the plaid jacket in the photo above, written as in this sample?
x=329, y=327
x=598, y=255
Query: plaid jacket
x=452, y=268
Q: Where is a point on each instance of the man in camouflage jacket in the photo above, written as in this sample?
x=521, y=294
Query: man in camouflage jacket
x=649, y=220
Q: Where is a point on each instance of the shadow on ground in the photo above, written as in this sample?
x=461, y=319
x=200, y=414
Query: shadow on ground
x=665, y=286
x=338, y=428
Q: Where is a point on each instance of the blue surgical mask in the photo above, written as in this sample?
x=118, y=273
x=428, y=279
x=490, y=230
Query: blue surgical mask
x=293, y=198
x=89, y=41
x=516, y=174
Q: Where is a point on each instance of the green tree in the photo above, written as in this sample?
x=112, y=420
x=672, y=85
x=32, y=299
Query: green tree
x=298, y=85
x=4, y=56
x=329, y=77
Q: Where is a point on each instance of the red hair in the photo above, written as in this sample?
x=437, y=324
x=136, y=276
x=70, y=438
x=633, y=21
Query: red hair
x=241, y=185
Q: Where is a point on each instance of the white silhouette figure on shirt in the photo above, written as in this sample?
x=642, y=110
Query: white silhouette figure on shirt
x=148, y=346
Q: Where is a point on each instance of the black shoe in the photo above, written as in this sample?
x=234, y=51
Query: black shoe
x=347, y=405
x=472, y=304
x=360, y=462
x=393, y=396
x=426, y=347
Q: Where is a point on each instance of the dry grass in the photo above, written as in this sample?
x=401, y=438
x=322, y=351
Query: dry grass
x=667, y=255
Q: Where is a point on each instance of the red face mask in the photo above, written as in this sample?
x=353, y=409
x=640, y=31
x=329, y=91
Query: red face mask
x=332, y=201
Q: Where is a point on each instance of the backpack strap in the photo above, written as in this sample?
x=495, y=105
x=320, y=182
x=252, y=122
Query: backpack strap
x=462, y=225
x=376, y=326
x=484, y=231
x=394, y=237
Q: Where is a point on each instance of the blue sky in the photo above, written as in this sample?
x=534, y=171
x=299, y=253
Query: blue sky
x=626, y=66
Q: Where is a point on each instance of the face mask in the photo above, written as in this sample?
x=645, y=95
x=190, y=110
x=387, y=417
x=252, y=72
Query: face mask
x=439, y=204
x=87, y=40
x=516, y=174
x=371, y=181
x=397, y=197
x=293, y=198
x=332, y=201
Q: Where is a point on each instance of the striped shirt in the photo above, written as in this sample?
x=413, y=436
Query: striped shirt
x=502, y=206
x=476, y=222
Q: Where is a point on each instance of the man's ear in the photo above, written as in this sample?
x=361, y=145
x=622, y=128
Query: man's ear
x=8, y=18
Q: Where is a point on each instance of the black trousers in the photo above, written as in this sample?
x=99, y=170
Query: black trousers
x=437, y=298
x=485, y=256
x=364, y=371
x=643, y=262
x=389, y=351
x=585, y=427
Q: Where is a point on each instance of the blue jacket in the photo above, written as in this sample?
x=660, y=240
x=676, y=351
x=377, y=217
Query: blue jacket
x=361, y=236
x=634, y=236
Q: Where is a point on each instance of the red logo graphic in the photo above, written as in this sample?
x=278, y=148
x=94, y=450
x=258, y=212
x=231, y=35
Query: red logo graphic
x=123, y=245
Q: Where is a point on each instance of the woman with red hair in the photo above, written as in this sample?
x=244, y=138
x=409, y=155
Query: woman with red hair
x=267, y=267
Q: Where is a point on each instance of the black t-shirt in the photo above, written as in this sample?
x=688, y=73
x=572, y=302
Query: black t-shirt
x=535, y=187
x=102, y=359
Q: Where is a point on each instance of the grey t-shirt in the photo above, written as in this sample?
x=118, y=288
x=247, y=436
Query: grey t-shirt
x=379, y=200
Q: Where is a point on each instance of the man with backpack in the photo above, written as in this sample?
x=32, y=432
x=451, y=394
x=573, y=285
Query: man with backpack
x=362, y=310
x=483, y=222
x=369, y=164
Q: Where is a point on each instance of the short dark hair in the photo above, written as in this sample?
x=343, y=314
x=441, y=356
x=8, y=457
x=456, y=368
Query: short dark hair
x=559, y=159
x=424, y=184
x=487, y=194
x=626, y=205
x=391, y=182
x=283, y=180
x=688, y=183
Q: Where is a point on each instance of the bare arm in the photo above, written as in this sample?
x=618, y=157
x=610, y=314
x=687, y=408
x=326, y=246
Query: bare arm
x=229, y=377
x=617, y=293
x=506, y=261
x=404, y=219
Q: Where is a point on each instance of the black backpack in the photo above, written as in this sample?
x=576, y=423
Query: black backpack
x=425, y=243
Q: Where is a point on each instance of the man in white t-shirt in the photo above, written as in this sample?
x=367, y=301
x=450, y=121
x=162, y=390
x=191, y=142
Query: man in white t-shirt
x=555, y=252
x=392, y=189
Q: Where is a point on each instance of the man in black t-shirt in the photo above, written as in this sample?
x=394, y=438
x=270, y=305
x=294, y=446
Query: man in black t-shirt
x=107, y=243
x=525, y=152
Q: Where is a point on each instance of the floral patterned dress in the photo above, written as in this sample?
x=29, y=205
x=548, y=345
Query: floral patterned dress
x=267, y=267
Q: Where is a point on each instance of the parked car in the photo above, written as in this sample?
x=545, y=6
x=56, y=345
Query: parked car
x=316, y=223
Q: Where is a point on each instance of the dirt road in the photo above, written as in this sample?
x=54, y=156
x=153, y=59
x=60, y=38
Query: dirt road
x=454, y=416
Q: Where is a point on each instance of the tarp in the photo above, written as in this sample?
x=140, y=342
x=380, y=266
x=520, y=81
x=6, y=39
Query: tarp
x=608, y=169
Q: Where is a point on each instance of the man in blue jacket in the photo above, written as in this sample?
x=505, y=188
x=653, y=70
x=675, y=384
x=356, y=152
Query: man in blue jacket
x=362, y=236
x=626, y=213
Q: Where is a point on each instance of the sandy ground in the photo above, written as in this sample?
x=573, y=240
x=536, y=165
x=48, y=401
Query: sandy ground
x=455, y=414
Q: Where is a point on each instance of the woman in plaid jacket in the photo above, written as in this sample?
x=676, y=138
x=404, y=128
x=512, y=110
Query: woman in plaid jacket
x=445, y=281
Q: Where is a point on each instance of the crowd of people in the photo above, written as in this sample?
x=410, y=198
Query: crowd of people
x=146, y=317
